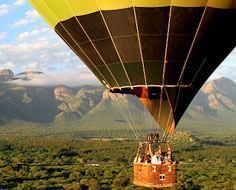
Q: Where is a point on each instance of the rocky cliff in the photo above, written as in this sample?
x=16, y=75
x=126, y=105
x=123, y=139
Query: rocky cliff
x=216, y=96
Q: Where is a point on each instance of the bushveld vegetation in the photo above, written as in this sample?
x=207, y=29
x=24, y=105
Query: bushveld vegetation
x=33, y=158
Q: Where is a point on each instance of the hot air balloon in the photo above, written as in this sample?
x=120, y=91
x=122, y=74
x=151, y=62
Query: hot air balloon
x=161, y=51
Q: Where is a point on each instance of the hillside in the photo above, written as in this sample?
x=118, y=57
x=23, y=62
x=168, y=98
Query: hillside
x=215, y=97
x=117, y=112
x=72, y=109
x=90, y=108
x=27, y=103
x=213, y=108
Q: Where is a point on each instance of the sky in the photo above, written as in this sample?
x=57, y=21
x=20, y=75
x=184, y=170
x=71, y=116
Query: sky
x=28, y=43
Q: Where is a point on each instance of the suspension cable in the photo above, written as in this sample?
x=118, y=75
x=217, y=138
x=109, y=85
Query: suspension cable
x=131, y=116
x=132, y=120
x=115, y=100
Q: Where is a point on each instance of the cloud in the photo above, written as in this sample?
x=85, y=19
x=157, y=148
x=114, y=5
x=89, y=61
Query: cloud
x=71, y=79
x=231, y=57
x=215, y=75
x=25, y=35
x=227, y=67
x=30, y=17
x=30, y=47
x=4, y=9
x=3, y=35
x=42, y=50
x=7, y=65
x=19, y=2
x=42, y=53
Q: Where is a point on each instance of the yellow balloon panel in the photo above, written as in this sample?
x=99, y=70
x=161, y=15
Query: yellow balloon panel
x=223, y=4
x=45, y=12
x=55, y=11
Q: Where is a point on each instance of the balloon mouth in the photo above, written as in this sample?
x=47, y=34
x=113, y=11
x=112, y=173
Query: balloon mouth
x=145, y=91
x=156, y=100
x=140, y=92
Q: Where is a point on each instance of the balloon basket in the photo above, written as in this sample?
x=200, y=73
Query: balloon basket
x=155, y=175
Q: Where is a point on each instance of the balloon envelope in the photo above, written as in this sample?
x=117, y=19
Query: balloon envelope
x=160, y=51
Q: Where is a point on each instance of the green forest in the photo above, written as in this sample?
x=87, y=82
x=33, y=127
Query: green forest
x=33, y=157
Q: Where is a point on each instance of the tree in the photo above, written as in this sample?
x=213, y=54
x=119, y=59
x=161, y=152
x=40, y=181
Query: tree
x=121, y=180
x=93, y=184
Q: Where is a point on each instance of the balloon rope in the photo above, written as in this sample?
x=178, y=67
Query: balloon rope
x=203, y=62
x=115, y=100
x=91, y=44
x=146, y=118
x=192, y=45
x=188, y=56
x=128, y=120
x=165, y=61
x=113, y=42
x=75, y=43
x=140, y=44
x=168, y=126
x=131, y=116
x=167, y=131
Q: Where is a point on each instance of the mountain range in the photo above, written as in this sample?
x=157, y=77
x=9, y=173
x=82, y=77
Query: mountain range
x=89, y=107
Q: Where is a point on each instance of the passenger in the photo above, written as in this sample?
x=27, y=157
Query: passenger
x=147, y=158
x=138, y=158
x=168, y=160
x=156, y=158
x=168, y=148
x=156, y=137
